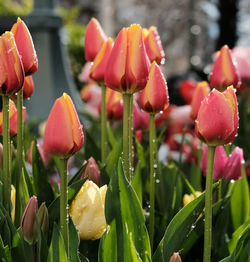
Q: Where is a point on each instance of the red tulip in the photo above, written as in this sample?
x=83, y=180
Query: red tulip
x=153, y=45
x=63, y=133
x=233, y=166
x=28, y=88
x=25, y=47
x=187, y=88
x=224, y=72
x=154, y=97
x=201, y=91
x=127, y=67
x=11, y=67
x=99, y=66
x=114, y=104
x=92, y=171
x=12, y=119
x=217, y=120
x=141, y=119
x=220, y=161
x=94, y=39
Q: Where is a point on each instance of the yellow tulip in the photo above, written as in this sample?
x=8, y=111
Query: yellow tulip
x=13, y=202
x=87, y=211
x=188, y=198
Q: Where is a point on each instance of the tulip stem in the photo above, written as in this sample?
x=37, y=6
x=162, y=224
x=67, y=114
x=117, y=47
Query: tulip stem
x=126, y=135
x=19, y=152
x=6, y=154
x=103, y=125
x=131, y=138
x=208, y=206
x=64, y=203
x=153, y=167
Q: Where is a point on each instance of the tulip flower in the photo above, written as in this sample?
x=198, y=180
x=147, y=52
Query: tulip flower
x=224, y=72
x=13, y=202
x=99, y=65
x=187, y=88
x=153, y=45
x=28, y=88
x=87, y=211
x=127, y=67
x=188, y=198
x=140, y=118
x=25, y=47
x=92, y=171
x=114, y=104
x=43, y=218
x=220, y=161
x=28, y=224
x=94, y=39
x=201, y=91
x=63, y=133
x=154, y=97
x=232, y=169
x=175, y=257
x=12, y=119
x=11, y=67
x=217, y=120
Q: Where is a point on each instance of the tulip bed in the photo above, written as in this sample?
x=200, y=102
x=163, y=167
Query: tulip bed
x=133, y=177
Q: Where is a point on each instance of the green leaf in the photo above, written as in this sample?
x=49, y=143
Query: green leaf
x=140, y=153
x=73, y=243
x=77, y=176
x=113, y=157
x=57, y=252
x=43, y=189
x=126, y=238
x=179, y=228
x=91, y=148
x=28, y=180
x=137, y=183
x=240, y=201
x=4, y=252
x=111, y=136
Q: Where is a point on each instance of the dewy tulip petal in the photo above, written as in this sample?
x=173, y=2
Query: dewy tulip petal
x=63, y=133
x=94, y=39
x=217, y=120
x=25, y=47
x=11, y=67
x=224, y=72
x=154, y=97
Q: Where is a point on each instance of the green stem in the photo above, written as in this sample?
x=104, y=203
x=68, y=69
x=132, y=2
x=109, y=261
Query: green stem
x=6, y=154
x=126, y=134
x=64, y=203
x=220, y=190
x=103, y=125
x=208, y=206
x=131, y=138
x=153, y=167
x=19, y=152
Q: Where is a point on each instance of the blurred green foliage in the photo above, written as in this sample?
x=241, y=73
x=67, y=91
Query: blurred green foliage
x=15, y=8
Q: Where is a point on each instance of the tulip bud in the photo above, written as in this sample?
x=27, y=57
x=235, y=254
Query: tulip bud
x=220, y=160
x=28, y=224
x=233, y=166
x=92, y=171
x=153, y=45
x=87, y=211
x=188, y=198
x=127, y=67
x=201, y=91
x=94, y=39
x=187, y=88
x=154, y=97
x=63, y=133
x=217, y=120
x=141, y=119
x=11, y=67
x=224, y=72
x=12, y=119
x=43, y=218
x=114, y=104
x=25, y=47
x=13, y=202
x=175, y=257
x=28, y=88
x=99, y=66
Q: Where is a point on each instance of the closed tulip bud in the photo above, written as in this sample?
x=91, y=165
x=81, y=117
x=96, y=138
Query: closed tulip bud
x=12, y=119
x=127, y=67
x=94, y=39
x=114, y=104
x=141, y=119
x=25, y=47
x=154, y=97
x=43, y=218
x=11, y=67
x=175, y=257
x=233, y=166
x=13, y=202
x=99, y=65
x=28, y=223
x=224, y=72
x=220, y=160
x=28, y=88
x=188, y=198
x=63, y=132
x=87, y=211
x=217, y=120
x=92, y=171
x=187, y=88
x=201, y=91
x=153, y=45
